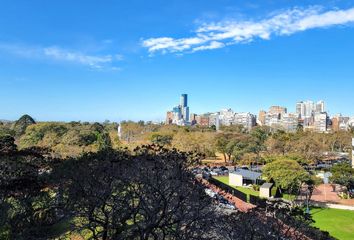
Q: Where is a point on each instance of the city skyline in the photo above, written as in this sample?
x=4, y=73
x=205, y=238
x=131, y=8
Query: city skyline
x=290, y=110
x=127, y=60
x=308, y=116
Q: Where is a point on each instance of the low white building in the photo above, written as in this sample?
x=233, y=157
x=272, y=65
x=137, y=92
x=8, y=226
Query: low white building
x=242, y=177
x=265, y=191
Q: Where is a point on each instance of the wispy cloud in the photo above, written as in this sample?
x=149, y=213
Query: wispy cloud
x=77, y=57
x=220, y=34
x=63, y=55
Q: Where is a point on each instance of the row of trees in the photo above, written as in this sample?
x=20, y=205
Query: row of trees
x=233, y=142
x=62, y=139
x=147, y=193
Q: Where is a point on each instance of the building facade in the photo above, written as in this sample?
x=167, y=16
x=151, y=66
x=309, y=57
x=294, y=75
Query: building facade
x=306, y=109
x=179, y=114
x=247, y=120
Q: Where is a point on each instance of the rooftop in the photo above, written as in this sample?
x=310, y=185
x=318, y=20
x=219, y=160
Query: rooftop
x=247, y=174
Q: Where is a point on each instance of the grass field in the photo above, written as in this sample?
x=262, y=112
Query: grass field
x=339, y=223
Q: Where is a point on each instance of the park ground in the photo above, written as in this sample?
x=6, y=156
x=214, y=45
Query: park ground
x=339, y=223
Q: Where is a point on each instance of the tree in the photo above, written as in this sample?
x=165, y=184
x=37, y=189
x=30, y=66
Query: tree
x=286, y=174
x=26, y=206
x=22, y=123
x=161, y=139
x=259, y=136
x=5, y=129
x=238, y=146
x=190, y=141
x=343, y=174
x=221, y=144
x=7, y=144
x=308, y=145
x=279, y=142
x=145, y=194
x=149, y=194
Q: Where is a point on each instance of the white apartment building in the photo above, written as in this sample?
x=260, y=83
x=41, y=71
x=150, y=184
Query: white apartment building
x=272, y=120
x=214, y=120
x=226, y=117
x=289, y=122
x=306, y=109
x=320, y=122
x=247, y=120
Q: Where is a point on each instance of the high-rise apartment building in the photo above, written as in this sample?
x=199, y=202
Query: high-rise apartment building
x=247, y=120
x=169, y=117
x=289, y=122
x=320, y=107
x=320, y=122
x=340, y=123
x=203, y=120
x=262, y=117
x=306, y=109
x=277, y=110
x=227, y=117
x=179, y=114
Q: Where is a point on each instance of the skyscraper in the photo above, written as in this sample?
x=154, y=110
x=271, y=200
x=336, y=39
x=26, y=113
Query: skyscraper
x=184, y=100
x=184, y=107
x=179, y=114
x=306, y=109
x=320, y=107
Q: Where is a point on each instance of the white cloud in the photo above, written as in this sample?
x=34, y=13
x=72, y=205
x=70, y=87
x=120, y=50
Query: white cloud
x=220, y=34
x=77, y=57
x=211, y=45
x=63, y=55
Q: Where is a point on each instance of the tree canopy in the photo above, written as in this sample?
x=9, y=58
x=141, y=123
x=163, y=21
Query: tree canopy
x=22, y=123
x=286, y=174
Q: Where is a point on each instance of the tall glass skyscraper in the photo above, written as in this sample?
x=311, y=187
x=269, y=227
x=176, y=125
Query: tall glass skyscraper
x=184, y=107
x=184, y=100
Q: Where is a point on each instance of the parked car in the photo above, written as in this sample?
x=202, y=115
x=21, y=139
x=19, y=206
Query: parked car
x=223, y=168
x=230, y=206
x=210, y=193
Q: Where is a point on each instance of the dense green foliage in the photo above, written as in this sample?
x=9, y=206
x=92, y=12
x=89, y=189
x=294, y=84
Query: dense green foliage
x=62, y=139
x=21, y=124
x=343, y=174
x=238, y=145
x=66, y=139
x=286, y=174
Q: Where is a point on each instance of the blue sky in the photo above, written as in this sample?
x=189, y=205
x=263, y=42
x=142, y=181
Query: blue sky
x=96, y=60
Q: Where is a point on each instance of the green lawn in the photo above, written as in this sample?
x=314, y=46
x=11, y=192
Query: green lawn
x=248, y=191
x=339, y=223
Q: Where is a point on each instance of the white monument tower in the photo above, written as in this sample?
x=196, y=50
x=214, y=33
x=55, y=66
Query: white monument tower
x=120, y=131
